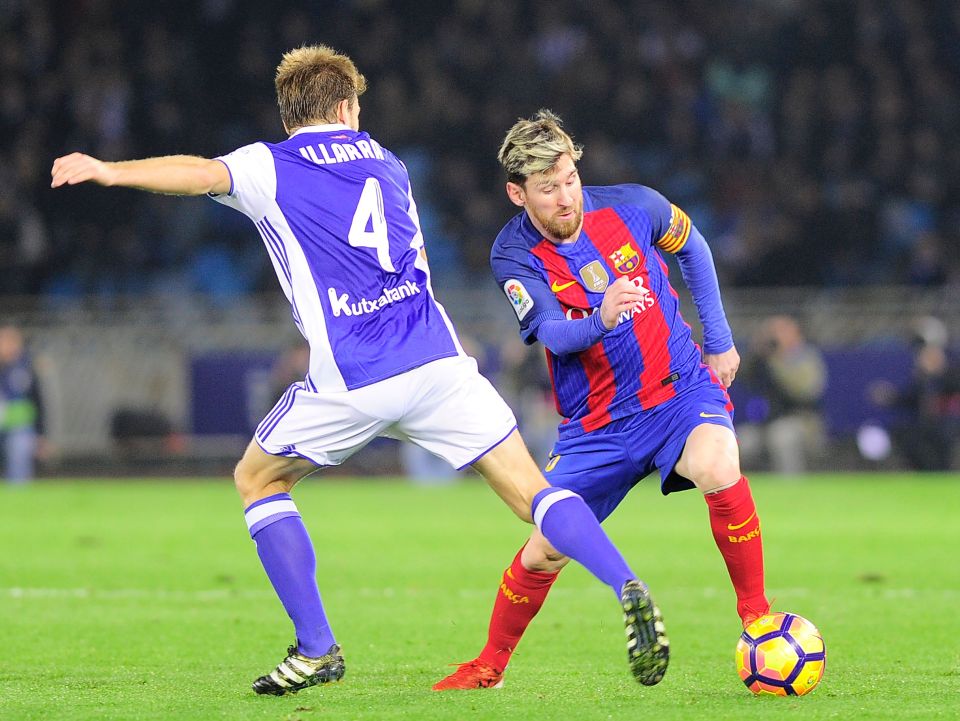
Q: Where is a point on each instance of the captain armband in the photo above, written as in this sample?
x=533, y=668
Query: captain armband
x=677, y=233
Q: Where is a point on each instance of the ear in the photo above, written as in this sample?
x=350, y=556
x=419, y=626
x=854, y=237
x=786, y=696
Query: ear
x=516, y=194
x=343, y=112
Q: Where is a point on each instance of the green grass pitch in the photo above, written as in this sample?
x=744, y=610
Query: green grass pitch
x=144, y=599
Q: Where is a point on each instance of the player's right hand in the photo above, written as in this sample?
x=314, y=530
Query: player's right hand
x=79, y=168
x=621, y=296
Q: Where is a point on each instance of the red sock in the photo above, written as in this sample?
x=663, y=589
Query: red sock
x=521, y=595
x=736, y=529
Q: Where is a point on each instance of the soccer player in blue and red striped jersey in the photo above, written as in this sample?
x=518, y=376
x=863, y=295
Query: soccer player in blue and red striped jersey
x=584, y=272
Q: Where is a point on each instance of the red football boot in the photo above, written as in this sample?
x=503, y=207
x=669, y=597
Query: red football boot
x=474, y=674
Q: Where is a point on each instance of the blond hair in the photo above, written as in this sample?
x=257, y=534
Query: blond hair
x=535, y=146
x=311, y=81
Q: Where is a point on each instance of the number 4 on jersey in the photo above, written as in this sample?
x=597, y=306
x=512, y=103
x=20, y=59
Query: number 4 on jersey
x=369, y=213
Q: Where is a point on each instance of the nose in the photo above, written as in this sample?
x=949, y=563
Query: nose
x=565, y=198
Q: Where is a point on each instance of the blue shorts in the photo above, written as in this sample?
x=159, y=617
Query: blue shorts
x=602, y=466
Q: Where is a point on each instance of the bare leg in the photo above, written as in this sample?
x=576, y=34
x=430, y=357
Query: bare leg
x=512, y=474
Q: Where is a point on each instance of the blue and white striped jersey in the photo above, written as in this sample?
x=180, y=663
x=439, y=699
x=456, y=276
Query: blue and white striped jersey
x=336, y=213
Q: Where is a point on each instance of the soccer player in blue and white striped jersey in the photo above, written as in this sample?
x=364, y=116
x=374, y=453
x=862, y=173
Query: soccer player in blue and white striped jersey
x=336, y=213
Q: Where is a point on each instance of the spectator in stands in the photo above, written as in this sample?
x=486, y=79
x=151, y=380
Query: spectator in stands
x=790, y=375
x=823, y=131
x=21, y=409
x=929, y=426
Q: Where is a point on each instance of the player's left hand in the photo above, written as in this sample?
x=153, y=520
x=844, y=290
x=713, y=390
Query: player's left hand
x=80, y=168
x=725, y=365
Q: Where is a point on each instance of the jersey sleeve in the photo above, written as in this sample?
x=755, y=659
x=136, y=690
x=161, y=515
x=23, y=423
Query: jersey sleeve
x=253, y=180
x=673, y=232
x=528, y=293
x=670, y=226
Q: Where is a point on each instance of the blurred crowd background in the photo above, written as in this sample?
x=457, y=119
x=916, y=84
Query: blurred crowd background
x=813, y=142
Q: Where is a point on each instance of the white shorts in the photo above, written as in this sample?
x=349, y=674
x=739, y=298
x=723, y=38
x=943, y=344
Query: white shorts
x=445, y=406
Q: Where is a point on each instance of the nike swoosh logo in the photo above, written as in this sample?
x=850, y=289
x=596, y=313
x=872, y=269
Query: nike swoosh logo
x=731, y=527
x=557, y=288
x=711, y=415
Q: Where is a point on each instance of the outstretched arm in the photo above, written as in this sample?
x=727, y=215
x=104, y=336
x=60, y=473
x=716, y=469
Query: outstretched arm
x=171, y=174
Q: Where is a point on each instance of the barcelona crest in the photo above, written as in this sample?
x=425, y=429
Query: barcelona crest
x=625, y=260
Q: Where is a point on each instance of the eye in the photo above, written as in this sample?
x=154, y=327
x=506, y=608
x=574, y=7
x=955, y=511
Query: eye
x=548, y=191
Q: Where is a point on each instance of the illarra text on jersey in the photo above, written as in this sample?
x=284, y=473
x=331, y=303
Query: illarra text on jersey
x=342, y=152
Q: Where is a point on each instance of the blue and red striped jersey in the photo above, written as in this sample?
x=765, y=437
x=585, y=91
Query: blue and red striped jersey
x=650, y=356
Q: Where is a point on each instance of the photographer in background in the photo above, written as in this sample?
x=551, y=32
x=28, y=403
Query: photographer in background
x=21, y=410
x=789, y=374
x=929, y=422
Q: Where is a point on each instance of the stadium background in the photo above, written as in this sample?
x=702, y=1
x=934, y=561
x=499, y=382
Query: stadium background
x=811, y=142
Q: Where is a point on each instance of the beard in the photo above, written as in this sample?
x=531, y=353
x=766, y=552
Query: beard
x=562, y=229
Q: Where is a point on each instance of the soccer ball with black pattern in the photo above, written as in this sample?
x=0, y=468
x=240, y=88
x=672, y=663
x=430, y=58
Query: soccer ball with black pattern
x=781, y=654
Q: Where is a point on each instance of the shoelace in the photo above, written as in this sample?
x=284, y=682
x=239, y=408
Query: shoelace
x=760, y=615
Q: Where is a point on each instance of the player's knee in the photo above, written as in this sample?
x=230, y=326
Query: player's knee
x=711, y=472
x=254, y=481
x=711, y=458
x=245, y=479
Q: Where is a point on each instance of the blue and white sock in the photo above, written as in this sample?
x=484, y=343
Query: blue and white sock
x=287, y=555
x=567, y=522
